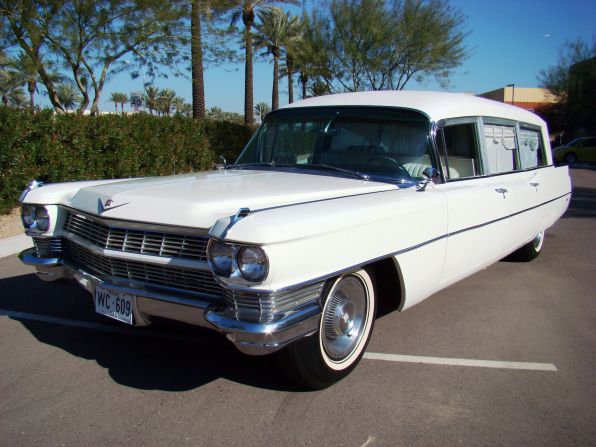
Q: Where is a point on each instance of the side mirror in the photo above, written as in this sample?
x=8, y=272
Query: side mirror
x=429, y=174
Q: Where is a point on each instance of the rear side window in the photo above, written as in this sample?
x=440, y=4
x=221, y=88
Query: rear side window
x=531, y=149
x=500, y=144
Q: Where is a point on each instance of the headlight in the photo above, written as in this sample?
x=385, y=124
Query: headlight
x=253, y=264
x=28, y=215
x=221, y=257
x=238, y=263
x=35, y=218
x=42, y=218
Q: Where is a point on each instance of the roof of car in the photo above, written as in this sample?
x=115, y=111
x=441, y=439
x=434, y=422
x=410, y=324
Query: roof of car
x=436, y=105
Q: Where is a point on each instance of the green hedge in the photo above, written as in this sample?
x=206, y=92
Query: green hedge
x=57, y=148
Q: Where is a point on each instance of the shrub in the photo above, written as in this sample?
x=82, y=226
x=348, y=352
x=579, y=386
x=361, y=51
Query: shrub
x=57, y=148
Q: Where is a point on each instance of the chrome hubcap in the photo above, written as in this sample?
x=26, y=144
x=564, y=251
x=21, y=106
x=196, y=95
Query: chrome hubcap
x=538, y=241
x=344, y=317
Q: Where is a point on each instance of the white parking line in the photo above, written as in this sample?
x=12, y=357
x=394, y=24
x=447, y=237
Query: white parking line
x=368, y=355
x=460, y=362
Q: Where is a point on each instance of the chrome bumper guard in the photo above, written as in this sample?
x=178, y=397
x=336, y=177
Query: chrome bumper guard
x=251, y=338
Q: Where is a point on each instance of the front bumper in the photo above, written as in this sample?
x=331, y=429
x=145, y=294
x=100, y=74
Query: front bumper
x=254, y=338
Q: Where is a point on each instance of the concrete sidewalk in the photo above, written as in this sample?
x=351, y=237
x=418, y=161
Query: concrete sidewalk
x=15, y=244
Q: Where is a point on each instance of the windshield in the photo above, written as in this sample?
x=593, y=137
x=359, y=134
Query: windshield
x=366, y=142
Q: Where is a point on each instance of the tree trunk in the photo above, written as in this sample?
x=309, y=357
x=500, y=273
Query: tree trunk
x=275, y=92
x=290, y=70
x=198, y=84
x=303, y=81
x=31, y=86
x=248, y=18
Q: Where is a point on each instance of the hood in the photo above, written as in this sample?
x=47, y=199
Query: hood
x=199, y=200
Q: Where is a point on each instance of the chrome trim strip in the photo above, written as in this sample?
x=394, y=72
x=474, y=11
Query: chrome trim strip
x=29, y=257
x=141, y=291
x=34, y=184
x=138, y=225
x=396, y=253
x=259, y=339
x=396, y=188
x=149, y=259
x=241, y=214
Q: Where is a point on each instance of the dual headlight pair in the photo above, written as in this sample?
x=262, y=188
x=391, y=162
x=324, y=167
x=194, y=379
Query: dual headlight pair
x=35, y=218
x=238, y=261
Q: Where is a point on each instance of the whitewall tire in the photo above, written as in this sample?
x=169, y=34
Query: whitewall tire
x=347, y=320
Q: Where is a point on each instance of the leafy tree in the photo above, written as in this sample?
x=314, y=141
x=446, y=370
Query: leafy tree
x=572, y=80
x=246, y=10
x=68, y=95
x=383, y=44
x=262, y=109
x=275, y=28
x=92, y=38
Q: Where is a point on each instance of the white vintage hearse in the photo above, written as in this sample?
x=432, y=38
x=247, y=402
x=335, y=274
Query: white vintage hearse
x=337, y=204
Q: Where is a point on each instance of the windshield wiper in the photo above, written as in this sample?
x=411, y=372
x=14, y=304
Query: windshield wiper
x=360, y=175
x=250, y=165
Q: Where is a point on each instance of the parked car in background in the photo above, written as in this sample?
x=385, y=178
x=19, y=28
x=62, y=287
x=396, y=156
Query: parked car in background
x=582, y=150
x=337, y=205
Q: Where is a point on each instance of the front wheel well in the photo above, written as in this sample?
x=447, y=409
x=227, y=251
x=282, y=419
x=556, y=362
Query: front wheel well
x=388, y=286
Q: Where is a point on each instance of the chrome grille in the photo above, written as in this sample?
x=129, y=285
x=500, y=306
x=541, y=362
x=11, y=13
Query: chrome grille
x=131, y=240
x=264, y=307
x=48, y=247
x=171, y=277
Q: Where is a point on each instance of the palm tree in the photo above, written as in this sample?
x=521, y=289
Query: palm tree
x=245, y=9
x=196, y=49
x=123, y=100
x=262, y=109
x=151, y=93
x=292, y=46
x=115, y=99
x=164, y=100
x=68, y=95
x=275, y=28
x=27, y=74
x=202, y=12
x=178, y=104
x=119, y=98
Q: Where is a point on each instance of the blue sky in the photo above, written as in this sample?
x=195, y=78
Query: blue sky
x=511, y=42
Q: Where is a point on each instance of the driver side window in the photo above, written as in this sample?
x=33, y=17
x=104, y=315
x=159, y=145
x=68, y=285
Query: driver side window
x=460, y=150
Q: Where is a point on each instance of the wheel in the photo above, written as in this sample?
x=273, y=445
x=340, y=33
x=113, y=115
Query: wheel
x=338, y=345
x=529, y=251
x=570, y=159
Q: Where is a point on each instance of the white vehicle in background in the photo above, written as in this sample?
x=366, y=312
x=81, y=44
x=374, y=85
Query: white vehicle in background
x=337, y=204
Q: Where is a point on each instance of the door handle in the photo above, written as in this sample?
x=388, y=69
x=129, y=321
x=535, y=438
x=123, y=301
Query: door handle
x=501, y=191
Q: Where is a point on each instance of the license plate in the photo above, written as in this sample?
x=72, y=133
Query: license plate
x=114, y=304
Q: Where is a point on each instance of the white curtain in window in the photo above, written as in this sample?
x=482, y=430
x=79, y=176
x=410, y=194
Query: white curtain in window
x=500, y=148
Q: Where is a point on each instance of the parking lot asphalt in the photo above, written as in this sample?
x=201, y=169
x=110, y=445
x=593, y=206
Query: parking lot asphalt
x=71, y=377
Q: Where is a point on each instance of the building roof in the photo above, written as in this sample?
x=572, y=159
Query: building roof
x=435, y=105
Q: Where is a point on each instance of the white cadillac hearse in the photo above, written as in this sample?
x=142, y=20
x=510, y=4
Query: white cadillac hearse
x=337, y=205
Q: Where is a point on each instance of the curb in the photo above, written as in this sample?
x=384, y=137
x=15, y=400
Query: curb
x=15, y=244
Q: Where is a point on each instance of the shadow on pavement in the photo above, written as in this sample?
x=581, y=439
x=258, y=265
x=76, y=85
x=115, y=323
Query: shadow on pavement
x=583, y=203
x=148, y=363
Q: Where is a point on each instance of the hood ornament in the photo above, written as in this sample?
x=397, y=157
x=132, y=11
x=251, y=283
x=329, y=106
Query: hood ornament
x=107, y=206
